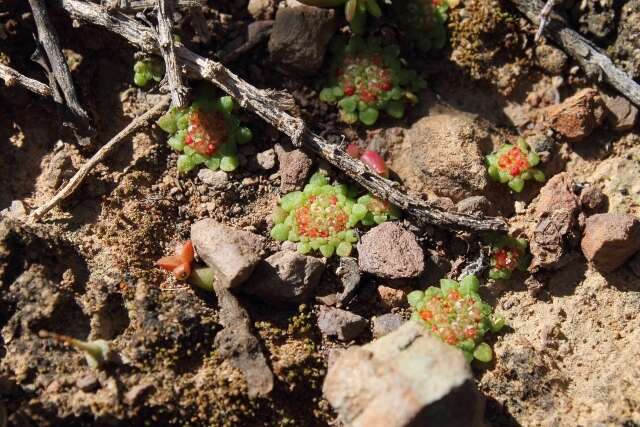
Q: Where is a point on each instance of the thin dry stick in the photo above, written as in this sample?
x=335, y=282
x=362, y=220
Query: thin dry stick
x=268, y=104
x=594, y=62
x=11, y=78
x=138, y=5
x=49, y=40
x=544, y=18
x=99, y=156
x=165, y=40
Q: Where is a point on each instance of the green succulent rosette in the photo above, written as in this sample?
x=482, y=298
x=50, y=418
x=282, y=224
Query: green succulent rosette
x=423, y=22
x=508, y=255
x=366, y=78
x=455, y=313
x=148, y=70
x=206, y=133
x=514, y=165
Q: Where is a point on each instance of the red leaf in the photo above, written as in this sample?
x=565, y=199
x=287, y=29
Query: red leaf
x=169, y=263
x=375, y=162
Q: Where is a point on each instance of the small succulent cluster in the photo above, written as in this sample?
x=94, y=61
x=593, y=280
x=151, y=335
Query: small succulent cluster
x=455, y=313
x=355, y=11
x=366, y=78
x=206, y=133
x=423, y=22
x=181, y=265
x=514, y=164
x=148, y=70
x=96, y=352
x=508, y=255
x=323, y=217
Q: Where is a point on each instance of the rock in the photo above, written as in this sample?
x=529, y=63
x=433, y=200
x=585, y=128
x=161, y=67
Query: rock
x=406, y=378
x=266, y=159
x=617, y=176
x=610, y=239
x=256, y=28
x=217, y=180
x=295, y=167
x=15, y=210
x=391, y=252
x=634, y=264
x=476, y=205
x=88, y=383
x=300, y=38
x=577, y=116
x=232, y=253
x=60, y=167
x=135, y=393
x=557, y=194
x=261, y=9
x=621, y=114
x=551, y=59
x=286, y=277
x=385, y=324
x=391, y=297
x=349, y=274
x=593, y=200
x=342, y=324
x=441, y=155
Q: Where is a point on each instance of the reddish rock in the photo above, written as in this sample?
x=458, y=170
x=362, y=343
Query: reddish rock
x=391, y=297
x=295, y=167
x=610, y=239
x=557, y=194
x=621, y=114
x=593, y=200
x=577, y=116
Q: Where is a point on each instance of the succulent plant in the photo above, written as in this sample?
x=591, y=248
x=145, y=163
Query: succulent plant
x=507, y=255
x=366, y=78
x=147, y=70
x=179, y=263
x=354, y=10
x=324, y=216
x=455, y=313
x=422, y=22
x=205, y=133
x=514, y=164
x=96, y=352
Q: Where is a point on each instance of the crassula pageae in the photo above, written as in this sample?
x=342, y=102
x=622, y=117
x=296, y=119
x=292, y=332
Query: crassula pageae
x=323, y=217
x=148, y=70
x=514, y=164
x=508, y=255
x=456, y=313
x=422, y=22
x=355, y=11
x=206, y=133
x=366, y=78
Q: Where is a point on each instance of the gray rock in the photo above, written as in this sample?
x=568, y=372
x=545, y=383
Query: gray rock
x=286, y=277
x=137, y=392
x=349, y=274
x=300, y=38
x=232, y=253
x=406, y=378
x=266, y=159
x=15, y=210
x=217, y=180
x=621, y=114
x=60, y=167
x=261, y=9
x=385, y=324
x=551, y=59
x=610, y=239
x=593, y=200
x=475, y=205
x=88, y=383
x=391, y=252
x=342, y=324
x=295, y=167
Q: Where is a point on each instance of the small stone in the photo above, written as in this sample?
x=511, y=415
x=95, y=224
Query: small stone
x=300, y=38
x=391, y=297
x=349, y=274
x=551, y=59
x=610, y=239
x=88, y=383
x=406, y=378
x=295, y=167
x=476, y=205
x=256, y=28
x=390, y=251
x=621, y=114
x=261, y=9
x=15, y=210
x=556, y=194
x=385, y=324
x=216, y=180
x=60, y=167
x=232, y=253
x=593, y=200
x=136, y=392
x=344, y=325
x=286, y=277
x=577, y=116
x=267, y=159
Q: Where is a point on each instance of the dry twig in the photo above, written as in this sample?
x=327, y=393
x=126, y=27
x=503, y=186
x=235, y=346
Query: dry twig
x=543, y=18
x=265, y=105
x=138, y=5
x=11, y=78
x=51, y=45
x=99, y=156
x=168, y=50
x=594, y=62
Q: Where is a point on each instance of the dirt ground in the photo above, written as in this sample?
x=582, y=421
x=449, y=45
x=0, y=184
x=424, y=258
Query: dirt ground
x=569, y=357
